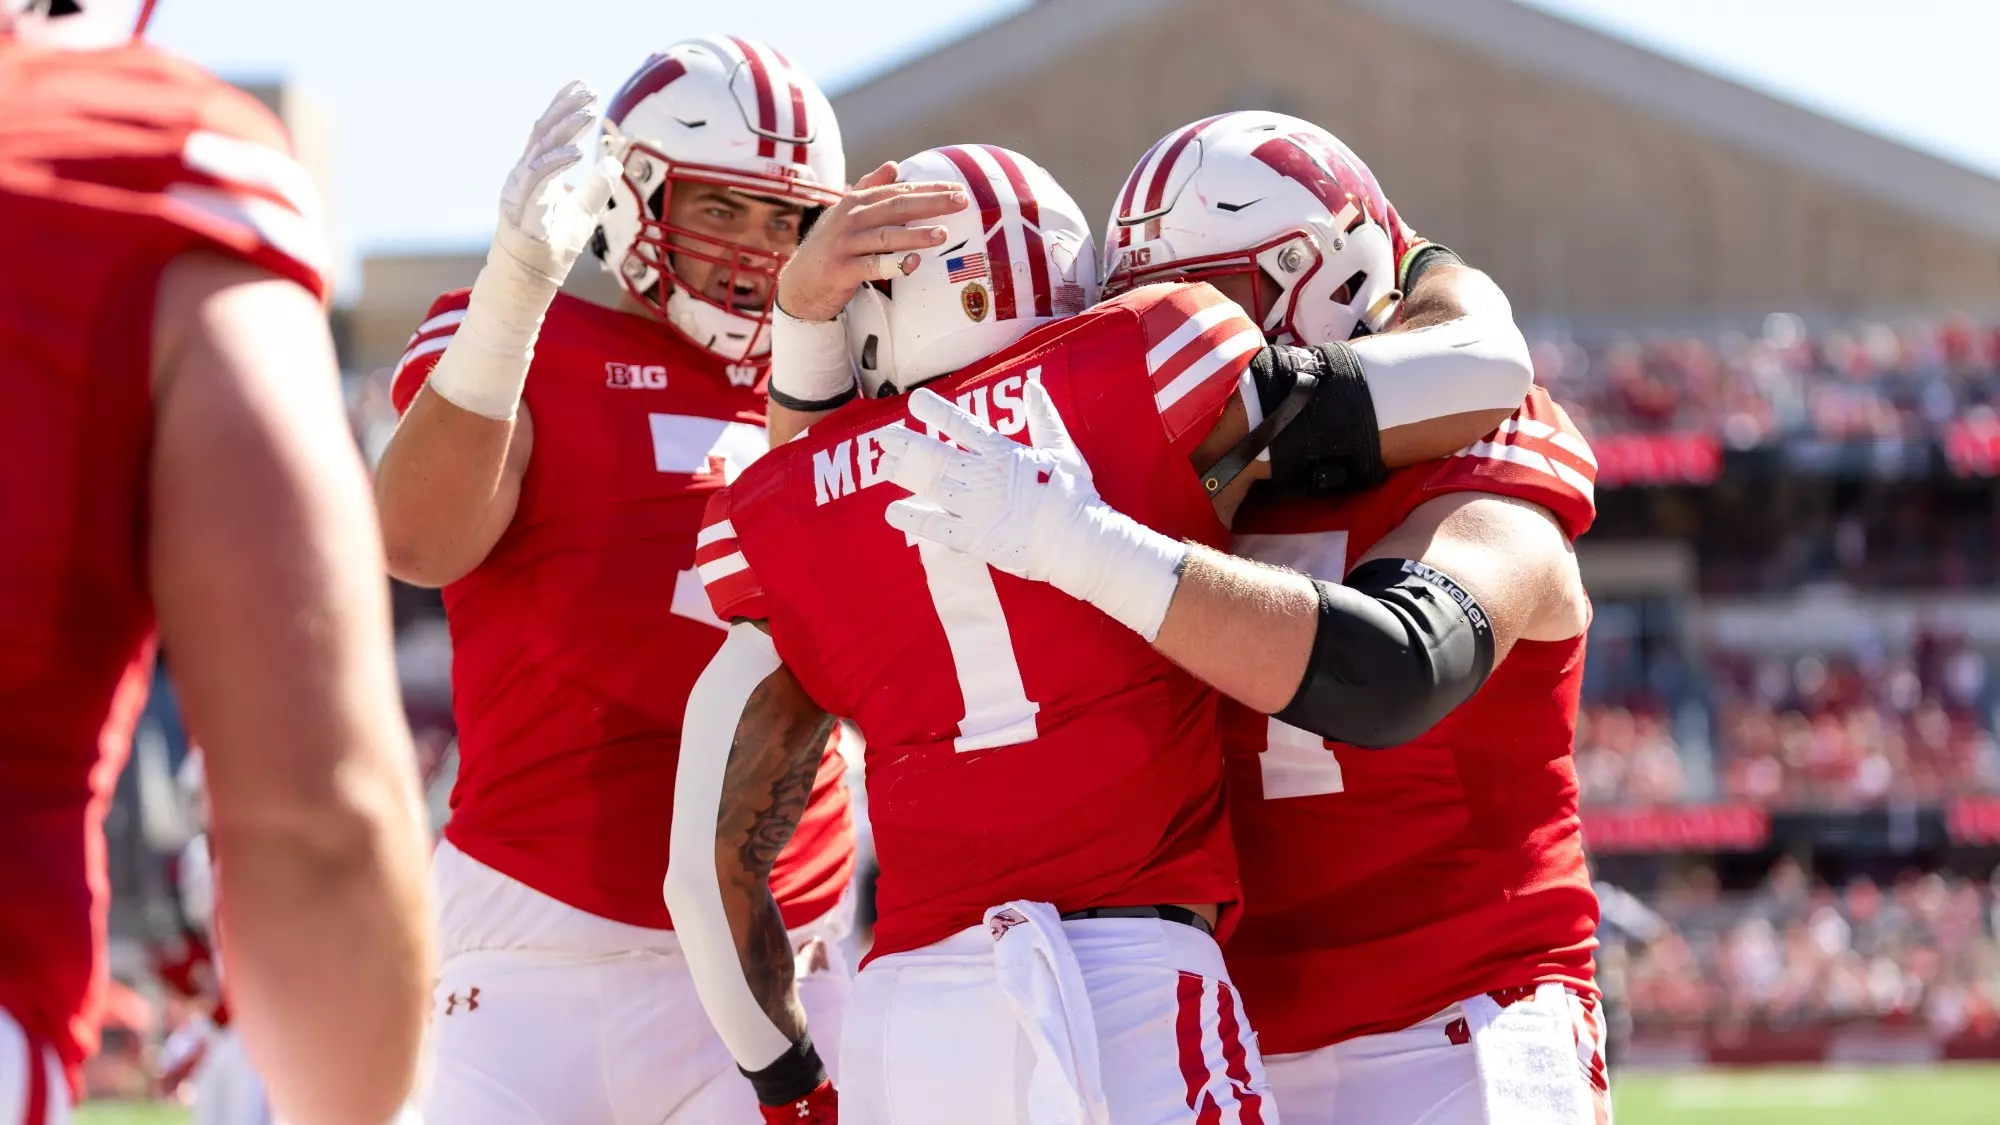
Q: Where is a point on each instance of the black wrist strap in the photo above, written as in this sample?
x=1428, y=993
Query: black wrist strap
x=795, y=1074
x=1230, y=465
x=806, y=406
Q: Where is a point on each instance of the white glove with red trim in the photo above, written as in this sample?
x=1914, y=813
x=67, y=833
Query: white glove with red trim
x=544, y=227
x=1030, y=510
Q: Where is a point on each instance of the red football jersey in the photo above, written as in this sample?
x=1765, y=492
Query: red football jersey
x=1381, y=886
x=577, y=640
x=1020, y=743
x=112, y=163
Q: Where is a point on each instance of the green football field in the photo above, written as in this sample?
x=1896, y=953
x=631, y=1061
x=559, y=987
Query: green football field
x=1951, y=1095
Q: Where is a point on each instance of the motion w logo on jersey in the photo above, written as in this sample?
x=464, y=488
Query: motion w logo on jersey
x=637, y=376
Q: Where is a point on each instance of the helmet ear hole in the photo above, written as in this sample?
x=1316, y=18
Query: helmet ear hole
x=600, y=245
x=868, y=351
x=1350, y=287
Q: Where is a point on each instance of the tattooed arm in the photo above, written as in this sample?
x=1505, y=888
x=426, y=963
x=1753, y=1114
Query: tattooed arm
x=750, y=748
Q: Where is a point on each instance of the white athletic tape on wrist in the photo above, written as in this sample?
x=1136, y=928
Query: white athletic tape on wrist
x=485, y=366
x=809, y=359
x=1124, y=568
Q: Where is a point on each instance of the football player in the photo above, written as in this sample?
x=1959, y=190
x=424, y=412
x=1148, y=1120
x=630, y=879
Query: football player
x=178, y=464
x=550, y=472
x=1416, y=945
x=1045, y=799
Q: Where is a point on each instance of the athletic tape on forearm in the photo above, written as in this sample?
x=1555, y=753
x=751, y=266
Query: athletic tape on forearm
x=811, y=368
x=693, y=888
x=1472, y=363
x=485, y=367
x=1124, y=568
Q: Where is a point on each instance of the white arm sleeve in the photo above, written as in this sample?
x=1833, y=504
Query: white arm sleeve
x=1477, y=362
x=693, y=888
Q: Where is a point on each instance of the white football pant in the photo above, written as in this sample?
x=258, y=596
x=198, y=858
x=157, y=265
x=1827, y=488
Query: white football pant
x=547, y=1015
x=33, y=1088
x=1108, y=1021
x=227, y=1091
x=1536, y=1061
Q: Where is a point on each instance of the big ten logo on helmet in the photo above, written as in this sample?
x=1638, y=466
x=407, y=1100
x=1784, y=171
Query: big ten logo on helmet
x=639, y=376
x=852, y=464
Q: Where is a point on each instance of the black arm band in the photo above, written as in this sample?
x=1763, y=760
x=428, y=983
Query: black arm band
x=1319, y=424
x=808, y=407
x=1335, y=445
x=1398, y=647
x=797, y=1072
x=1427, y=255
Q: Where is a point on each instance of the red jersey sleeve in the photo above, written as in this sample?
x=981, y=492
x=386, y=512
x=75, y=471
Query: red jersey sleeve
x=138, y=132
x=1198, y=344
x=1536, y=455
x=733, y=588
x=238, y=185
x=426, y=344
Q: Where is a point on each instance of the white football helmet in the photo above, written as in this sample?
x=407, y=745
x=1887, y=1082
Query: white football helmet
x=1251, y=192
x=77, y=24
x=1018, y=258
x=721, y=110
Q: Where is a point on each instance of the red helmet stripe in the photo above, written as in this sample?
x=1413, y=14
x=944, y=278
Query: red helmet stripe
x=799, y=127
x=659, y=73
x=997, y=256
x=1132, y=189
x=767, y=103
x=1031, y=230
x=1163, y=171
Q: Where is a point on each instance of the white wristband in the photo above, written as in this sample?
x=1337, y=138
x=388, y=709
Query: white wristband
x=485, y=367
x=810, y=362
x=1124, y=568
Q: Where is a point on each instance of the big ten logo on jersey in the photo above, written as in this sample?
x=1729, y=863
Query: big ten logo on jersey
x=852, y=464
x=638, y=376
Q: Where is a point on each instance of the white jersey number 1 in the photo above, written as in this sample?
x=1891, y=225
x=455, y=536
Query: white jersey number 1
x=998, y=711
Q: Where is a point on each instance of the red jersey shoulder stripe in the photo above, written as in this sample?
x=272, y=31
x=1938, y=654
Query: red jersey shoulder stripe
x=732, y=587
x=426, y=345
x=1196, y=339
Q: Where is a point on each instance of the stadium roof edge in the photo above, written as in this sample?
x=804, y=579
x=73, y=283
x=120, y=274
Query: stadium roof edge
x=1701, y=101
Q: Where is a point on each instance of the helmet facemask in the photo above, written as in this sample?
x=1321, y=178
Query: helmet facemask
x=737, y=332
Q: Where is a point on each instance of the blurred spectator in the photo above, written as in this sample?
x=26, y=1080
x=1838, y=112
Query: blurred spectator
x=1825, y=730
x=1866, y=382
x=1924, y=954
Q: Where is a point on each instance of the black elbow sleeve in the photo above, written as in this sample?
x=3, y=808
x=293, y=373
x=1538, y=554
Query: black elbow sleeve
x=1398, y=647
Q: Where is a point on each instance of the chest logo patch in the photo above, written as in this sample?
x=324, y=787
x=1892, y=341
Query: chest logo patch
x=635, y=376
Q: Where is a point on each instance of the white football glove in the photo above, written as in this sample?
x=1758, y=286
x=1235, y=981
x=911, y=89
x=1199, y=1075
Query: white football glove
x=544, y=226
x=1030, y=510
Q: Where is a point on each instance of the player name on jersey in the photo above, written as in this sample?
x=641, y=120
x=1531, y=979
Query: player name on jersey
x=856, y=463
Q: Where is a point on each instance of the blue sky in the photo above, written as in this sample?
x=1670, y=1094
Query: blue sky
x=456, y=82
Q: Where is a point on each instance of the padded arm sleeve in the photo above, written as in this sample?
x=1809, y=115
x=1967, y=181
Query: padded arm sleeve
x=693, y=886
x=1398, y=647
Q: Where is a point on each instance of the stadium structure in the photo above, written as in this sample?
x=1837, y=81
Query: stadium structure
x=1782, y=336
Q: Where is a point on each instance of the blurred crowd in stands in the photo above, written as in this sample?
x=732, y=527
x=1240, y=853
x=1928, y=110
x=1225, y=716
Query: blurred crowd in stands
x=1841, y=730
x=1921, y=952
x=1872, y=382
